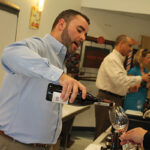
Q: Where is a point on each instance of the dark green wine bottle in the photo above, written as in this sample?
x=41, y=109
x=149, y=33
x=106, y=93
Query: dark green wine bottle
x=54, y=91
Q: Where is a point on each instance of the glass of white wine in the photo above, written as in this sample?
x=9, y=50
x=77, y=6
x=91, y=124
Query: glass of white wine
x=120, y=122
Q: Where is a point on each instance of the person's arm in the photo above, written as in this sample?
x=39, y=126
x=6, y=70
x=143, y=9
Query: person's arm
x=119, y=75
x=18, y=58
x=136, y=87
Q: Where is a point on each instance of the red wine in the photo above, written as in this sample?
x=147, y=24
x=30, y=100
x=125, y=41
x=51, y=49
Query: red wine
x=54, y=92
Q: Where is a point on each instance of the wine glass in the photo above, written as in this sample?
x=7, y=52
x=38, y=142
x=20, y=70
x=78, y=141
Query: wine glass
x=120, y=122
x=118, y=119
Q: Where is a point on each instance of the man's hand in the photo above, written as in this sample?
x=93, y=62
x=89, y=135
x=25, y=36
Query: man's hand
x=135, y=135
x=134, y=88
x=70, y=87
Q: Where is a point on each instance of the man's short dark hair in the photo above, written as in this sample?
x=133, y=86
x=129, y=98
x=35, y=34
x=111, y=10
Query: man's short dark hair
x=68, y=15
x=121, y=38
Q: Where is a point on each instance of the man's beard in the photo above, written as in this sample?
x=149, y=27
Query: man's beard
x=66, y=40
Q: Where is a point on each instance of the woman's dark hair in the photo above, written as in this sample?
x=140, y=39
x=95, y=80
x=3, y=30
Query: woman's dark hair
x=68, y=15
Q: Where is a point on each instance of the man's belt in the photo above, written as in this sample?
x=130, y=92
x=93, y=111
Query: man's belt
x=33, y=144
x=112, y=94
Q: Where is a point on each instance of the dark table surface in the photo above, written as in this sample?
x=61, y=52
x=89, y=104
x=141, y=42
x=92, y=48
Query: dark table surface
x=138, y=121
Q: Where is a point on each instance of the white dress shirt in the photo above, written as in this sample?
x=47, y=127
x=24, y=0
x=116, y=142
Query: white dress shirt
x=113, y=77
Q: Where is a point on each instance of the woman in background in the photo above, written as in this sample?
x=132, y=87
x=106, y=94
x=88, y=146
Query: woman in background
x=137, y=95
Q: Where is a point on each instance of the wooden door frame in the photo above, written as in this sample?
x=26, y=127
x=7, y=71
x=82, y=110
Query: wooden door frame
x=7, y=6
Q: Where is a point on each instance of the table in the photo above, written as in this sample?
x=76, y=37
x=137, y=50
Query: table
x=68, y=114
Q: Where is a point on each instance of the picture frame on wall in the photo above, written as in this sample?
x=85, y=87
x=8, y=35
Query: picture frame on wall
x=35, y=18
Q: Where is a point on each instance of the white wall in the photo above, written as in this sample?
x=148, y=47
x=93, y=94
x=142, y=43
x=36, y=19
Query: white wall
x=111, y=24
x=132, y=6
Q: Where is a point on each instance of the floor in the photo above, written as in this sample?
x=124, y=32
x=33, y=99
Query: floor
x=81, y=139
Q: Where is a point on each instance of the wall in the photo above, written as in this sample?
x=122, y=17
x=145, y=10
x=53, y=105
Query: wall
x=106, y=23
x=132, y=6
x=8, y=35
x=111, y=24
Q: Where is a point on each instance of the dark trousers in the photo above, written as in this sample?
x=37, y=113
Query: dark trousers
x=101, y=112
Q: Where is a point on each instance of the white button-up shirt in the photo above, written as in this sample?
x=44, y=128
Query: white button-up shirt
x=113, y=77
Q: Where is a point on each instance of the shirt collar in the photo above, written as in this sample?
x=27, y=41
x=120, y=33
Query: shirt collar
x=56, y=45
x=120, y=56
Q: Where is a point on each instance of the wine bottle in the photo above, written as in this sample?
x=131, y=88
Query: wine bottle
x=54, y=92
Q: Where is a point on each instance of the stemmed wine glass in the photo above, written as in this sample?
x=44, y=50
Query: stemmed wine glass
x=120, y=122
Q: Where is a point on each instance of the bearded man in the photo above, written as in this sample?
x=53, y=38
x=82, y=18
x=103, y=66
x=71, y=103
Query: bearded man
x=27, y=120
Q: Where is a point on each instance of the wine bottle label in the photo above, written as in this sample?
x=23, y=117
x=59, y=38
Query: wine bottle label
x=57, y=99
x=103, y=104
